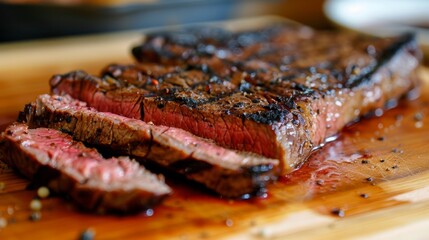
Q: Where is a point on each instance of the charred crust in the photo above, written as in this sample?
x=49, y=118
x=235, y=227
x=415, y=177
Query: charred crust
x=190, y=166
x=385, y=56
x=66, y=131
x=68, y=118
x=43, y=176
x=22, y=116
x=269, y=117
x=302, y=88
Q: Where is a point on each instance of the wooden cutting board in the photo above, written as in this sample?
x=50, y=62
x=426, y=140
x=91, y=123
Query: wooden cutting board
x=373, y=182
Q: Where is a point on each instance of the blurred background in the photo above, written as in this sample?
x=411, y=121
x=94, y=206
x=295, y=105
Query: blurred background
x=41, y=19
x=32, y=19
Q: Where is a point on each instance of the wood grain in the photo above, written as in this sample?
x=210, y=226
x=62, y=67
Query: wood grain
x=376, y=173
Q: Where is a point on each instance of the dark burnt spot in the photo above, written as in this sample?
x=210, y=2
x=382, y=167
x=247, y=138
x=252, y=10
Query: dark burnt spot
x=160, y=105
x=302, y=88
x=272, y=114
x=190, y=166
x=190, y=102
x=57, y=118
x=66, y=131
x=288, y=102
x=68, y=118
x=238, y=105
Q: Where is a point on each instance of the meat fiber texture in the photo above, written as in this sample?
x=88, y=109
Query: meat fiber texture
x=227, y=172
x=52, y=158
x=280, y=91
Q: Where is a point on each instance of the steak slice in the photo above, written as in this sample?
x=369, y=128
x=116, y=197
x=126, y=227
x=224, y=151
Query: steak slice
x=280, y=94
x=227, y=172
x=48, y=156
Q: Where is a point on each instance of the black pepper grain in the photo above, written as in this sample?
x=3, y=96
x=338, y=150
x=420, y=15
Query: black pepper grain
x=365, y=162
x=87, y=234
x=380, y=138
x=338, y=212
x=382, y=160
x=363, y=195
x=35, y=216
x=369, y=179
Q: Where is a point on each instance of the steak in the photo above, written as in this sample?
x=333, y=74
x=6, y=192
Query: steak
x=50, y=157
x=227, y=172
x=279, y=92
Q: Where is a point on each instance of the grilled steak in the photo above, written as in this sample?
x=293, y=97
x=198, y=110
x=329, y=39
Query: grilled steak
x=51, y=157
x=279, y=92
x=229, y=173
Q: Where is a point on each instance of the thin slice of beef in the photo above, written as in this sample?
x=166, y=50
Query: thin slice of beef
x=227, y=172
x=50, y=157
x=279, y=94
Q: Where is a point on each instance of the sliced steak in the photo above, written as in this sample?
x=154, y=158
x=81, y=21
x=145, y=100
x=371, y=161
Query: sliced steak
x=48, y=156
x=227, y=172
x=279, y=92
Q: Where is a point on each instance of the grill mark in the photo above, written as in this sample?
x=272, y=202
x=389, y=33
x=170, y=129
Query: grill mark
x=387, y=54
x=190, y=166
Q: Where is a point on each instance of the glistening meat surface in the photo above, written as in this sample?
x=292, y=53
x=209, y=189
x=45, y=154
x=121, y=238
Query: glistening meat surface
x=279, y=92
